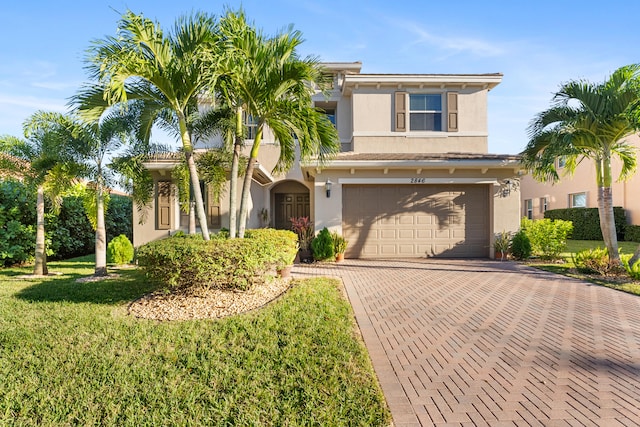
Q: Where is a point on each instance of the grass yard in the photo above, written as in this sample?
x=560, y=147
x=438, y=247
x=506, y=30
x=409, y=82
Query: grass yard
x=70, y=355
x=568, y=268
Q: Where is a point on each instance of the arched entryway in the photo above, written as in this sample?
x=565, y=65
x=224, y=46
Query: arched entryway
x=290, y=199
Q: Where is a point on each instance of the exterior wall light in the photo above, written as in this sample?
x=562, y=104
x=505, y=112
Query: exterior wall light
x=509, y=185
x=327, y=187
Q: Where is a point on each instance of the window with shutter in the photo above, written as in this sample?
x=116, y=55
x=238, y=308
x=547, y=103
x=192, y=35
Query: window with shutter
x=452, y=111
x=163, y=205
x=213, y=209
x=401, y=112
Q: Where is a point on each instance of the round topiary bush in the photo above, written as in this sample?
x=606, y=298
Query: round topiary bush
x=520, y=245
x=119, y=250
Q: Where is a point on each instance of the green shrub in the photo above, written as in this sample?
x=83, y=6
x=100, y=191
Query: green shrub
x=119, y=250
x=520, y=245
x=632, y=270
x=282, y=244
x=322, y=245
x=586, y=221
x=118, y=218
x=548, y=238
x=632, y=233
x=17, y=223
x=70, y=233
x=595, y=261
x=186, y=264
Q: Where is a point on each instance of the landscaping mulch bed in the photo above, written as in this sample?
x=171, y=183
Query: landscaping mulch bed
x=207, y=304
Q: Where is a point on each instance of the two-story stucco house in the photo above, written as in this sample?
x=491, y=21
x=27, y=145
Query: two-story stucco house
x=580, y=190
x=414, y=177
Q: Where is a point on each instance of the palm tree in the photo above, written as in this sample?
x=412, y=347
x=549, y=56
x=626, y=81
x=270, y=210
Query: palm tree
x=169, y=72
x=589, y=121
x=266, y=80
x=91, y=143
x=41, y=159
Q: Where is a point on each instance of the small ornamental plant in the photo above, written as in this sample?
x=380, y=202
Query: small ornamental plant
x=119, y=250
x=303, y=227
x=322, y=245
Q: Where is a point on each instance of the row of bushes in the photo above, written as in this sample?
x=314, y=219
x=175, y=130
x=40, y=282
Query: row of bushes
x=68, y=234
x=586, y=223
x=188, y=263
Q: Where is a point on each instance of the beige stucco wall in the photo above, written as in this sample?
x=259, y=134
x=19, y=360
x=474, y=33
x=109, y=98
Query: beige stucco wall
x=625, y=193
x=433, y=142
x=373, y=120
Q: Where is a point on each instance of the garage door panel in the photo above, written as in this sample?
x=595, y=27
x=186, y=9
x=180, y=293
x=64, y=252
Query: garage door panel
x=424, y=234
x=388, y=235
x=439, y=220
x=406, y=234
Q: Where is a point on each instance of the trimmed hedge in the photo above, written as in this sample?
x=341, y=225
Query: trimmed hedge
x=586, y=222
x=632, y=233
x=186, y=263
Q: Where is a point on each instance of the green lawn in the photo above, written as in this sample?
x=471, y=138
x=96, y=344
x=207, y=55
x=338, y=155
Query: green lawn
x=70, y=355
x=567, y=268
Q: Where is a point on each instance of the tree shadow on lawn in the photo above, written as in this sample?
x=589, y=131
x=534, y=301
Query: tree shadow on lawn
x=126, y=286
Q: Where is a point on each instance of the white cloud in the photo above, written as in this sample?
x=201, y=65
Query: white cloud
x=454, y=45
x=31, y=102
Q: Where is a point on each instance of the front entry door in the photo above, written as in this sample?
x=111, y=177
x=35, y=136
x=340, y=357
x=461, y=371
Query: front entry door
x=290, y=205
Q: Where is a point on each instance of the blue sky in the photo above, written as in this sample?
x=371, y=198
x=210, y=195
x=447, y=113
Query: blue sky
x=536, y=45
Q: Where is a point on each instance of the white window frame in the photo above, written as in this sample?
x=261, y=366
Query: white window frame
x=544, y=204
x=427, y=112
x=572, y=198
x=528, y=208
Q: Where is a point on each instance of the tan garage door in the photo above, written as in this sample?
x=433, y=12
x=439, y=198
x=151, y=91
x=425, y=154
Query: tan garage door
x=416, y=220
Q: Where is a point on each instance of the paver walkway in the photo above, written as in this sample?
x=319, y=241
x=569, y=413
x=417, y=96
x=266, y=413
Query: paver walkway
x=480, y=342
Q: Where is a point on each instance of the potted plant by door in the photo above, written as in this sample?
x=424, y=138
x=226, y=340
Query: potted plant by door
x=304, y=229
x=339, y=246
x=501, y=245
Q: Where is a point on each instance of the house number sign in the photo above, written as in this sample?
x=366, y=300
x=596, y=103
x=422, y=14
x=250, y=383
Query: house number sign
x=418, y=180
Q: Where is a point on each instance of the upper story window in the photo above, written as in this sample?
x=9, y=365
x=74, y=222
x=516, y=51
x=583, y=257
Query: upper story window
x=251, y=124
x=562, y=162
x=425, y=112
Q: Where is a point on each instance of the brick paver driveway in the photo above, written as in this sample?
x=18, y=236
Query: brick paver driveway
x=479, y=342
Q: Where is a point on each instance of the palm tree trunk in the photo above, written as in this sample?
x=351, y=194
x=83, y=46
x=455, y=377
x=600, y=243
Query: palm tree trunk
x=244, y=201
x=101, y=234
x=607, y=223
x=193, y=174
x=195, y=181
x=40, y=267
x=233, y=179
x=605, y=206
x=246, y=185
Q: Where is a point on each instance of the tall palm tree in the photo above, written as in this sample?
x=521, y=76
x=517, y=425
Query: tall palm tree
x=91, y=143
x=589, y=122
x=45, y=164
x=267, y=80
x=170, y=72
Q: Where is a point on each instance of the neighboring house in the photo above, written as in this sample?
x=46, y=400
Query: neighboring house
x=414, y=177
x=580, y=190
